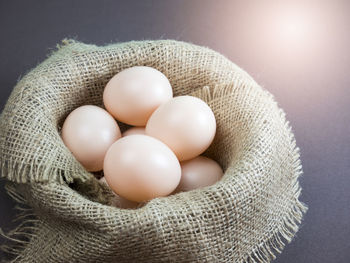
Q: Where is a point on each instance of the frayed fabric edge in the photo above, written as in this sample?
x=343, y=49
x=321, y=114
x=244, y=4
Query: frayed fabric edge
x=19, y=237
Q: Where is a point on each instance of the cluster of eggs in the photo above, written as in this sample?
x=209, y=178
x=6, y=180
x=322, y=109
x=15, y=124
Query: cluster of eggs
x=157, y=157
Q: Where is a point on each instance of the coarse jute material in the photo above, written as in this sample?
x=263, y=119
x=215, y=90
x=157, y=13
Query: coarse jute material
x=248, y=216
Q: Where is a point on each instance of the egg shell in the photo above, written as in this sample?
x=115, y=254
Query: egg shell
x=133, y=94
x=134, y=130
x=186, y=124
x=140, y=168
x=88, y=132
x=198, y=172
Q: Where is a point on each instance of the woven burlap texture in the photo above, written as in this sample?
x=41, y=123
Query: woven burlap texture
x=248, y=216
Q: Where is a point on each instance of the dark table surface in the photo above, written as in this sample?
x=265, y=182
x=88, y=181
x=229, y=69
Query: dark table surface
x=298, y=50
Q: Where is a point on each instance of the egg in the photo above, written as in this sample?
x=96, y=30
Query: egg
x=88, y=132
x=120, y=201
x=134, y=130
x=198, y=172
x=140, y=168
x=186, y=124
x=133, y=94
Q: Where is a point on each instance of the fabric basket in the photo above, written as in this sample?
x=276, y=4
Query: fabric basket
x=66, y=214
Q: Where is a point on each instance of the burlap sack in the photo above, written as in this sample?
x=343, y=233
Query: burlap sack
x=246, y=217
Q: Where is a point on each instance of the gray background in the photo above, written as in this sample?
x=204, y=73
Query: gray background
x=309, y=79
